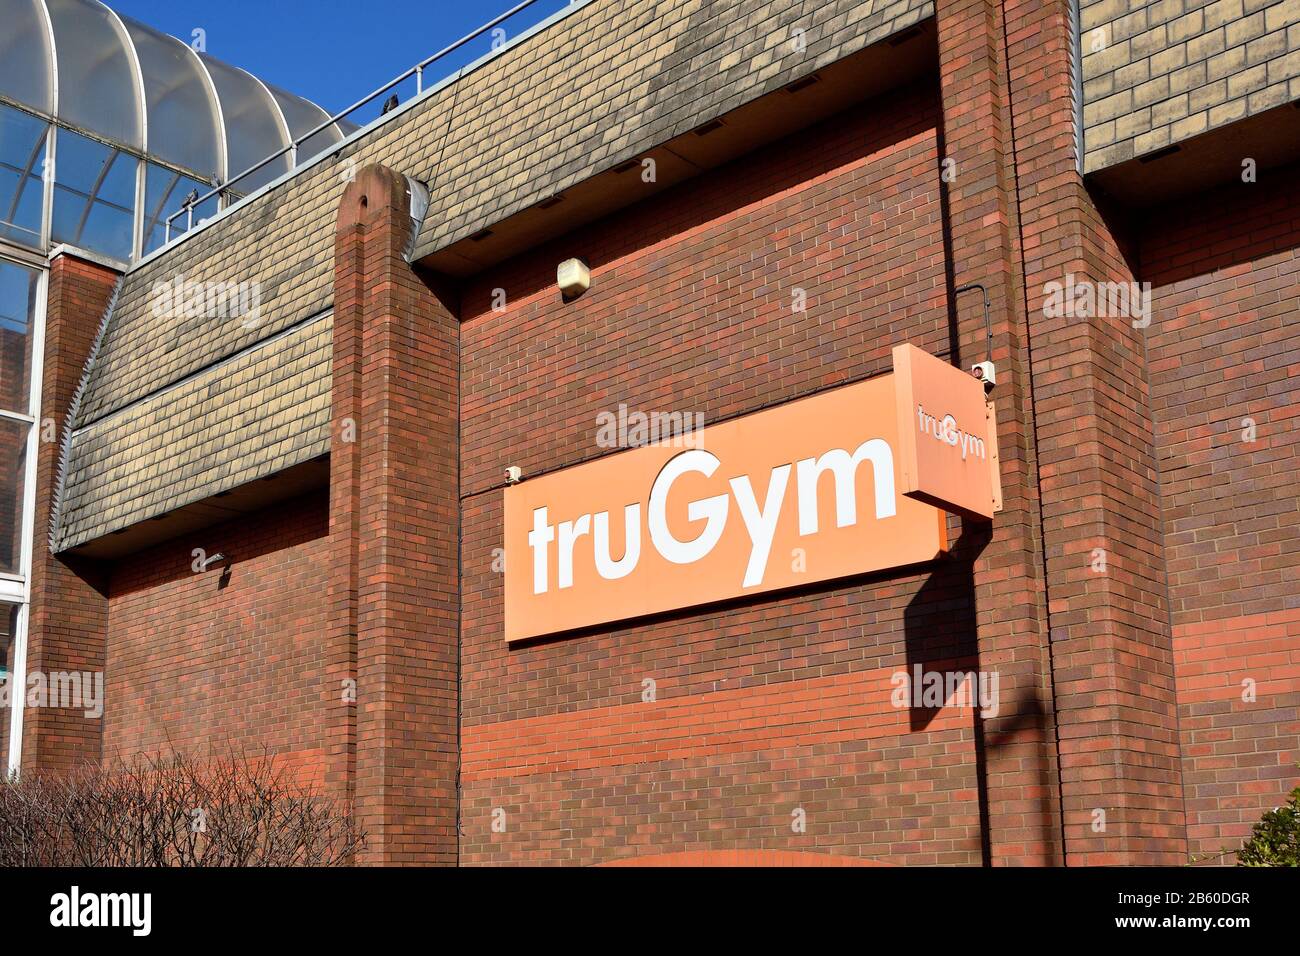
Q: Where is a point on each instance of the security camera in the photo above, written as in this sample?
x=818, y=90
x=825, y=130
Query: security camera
x=986, y=373
x=513, y=474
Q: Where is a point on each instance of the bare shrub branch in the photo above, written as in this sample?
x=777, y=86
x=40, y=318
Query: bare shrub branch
x=174, y=810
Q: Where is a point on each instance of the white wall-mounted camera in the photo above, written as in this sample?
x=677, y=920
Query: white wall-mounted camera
x=513, y=474
x=986, y=373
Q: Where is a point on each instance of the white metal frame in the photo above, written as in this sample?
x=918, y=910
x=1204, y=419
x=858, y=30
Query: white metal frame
x=137, y=225
x=17, y=589
x=222, y=190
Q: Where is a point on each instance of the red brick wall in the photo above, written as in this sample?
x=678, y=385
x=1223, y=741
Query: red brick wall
x=230, y=657
x=762, y=707
x=1112, y=660
x=395, y=531
x=1224, y=347
x=690, y=306
x=68, y=611
x=979, y=151
x=1121, y=690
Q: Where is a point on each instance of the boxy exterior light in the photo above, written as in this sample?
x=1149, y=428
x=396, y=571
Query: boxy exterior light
x=573, y=277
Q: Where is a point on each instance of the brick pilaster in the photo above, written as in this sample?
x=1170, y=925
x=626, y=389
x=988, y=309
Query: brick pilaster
x=339, y=691
x=69, y=611
x=1102, y=541
x=1082, y=430
x=395, y=518
x=1018, y=752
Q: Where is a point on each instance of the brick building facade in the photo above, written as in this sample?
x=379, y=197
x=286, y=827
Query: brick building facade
x=769, y=196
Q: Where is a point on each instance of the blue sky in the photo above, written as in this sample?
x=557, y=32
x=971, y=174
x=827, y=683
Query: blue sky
x=330, y=51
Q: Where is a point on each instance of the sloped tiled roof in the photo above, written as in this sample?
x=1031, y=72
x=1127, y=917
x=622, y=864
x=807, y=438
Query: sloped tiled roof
x=261, y=412
x=605, y=83
x=1155, y=74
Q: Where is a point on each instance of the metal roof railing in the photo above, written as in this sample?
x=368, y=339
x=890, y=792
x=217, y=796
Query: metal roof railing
x=417, y=71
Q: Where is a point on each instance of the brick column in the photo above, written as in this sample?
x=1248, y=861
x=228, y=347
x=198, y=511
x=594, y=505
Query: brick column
x=1112, y=649
x=1088, y=412
x=339, y=688
x=1018, y=745
x=69, y=612
x=395, y=521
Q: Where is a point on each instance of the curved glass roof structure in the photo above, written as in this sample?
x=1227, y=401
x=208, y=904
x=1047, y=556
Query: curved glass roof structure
x=115, y=82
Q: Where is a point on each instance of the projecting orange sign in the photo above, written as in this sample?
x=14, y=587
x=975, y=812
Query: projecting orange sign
x=947, y=443
x=789, y=496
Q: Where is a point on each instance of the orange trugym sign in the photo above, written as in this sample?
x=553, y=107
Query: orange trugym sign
x=808, y=491
x=948, y=450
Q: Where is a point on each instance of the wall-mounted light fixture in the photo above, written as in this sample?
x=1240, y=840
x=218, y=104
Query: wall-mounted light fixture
x=573, y=277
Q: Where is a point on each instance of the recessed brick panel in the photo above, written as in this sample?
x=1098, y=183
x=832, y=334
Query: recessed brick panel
x=691, y=310
x=1223, y=350
x=230, y=657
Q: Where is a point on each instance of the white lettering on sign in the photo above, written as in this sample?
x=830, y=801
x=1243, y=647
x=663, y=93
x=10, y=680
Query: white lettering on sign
x=946, y=430
x=657, y=528
x=760, y=519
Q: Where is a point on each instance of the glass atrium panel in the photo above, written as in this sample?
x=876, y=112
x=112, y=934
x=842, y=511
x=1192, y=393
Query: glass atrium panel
x=123, y=82
x=25, y=62
x=8, y=640
x=97, y=82
x=18, y=291
x=183, y=122
x=165, y=192
x=22, y=158
x=303, y=117
x=13, y=473
x=253, y=130
x=94, y=196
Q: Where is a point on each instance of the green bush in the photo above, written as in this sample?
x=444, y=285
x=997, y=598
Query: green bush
x=1275, y=839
